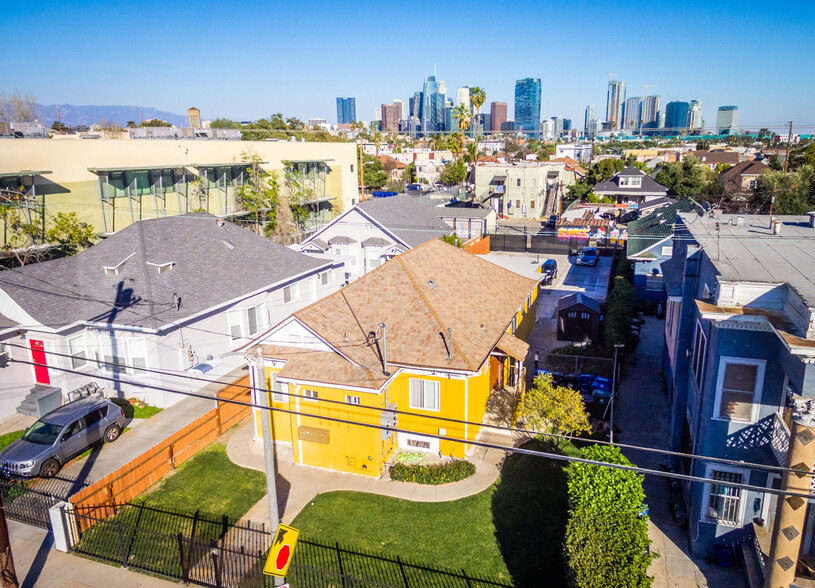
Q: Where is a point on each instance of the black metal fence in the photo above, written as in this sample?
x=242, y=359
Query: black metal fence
x=28, y=501
x=551, y=244
x=215, y=552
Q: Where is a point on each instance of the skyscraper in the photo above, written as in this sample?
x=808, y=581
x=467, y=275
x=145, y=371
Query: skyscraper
x=415, y=105
x=614, y=102
x=676, y=117
x=401, y=105
x=727, y=120
x=434, y=102
x=591, y=114
x=695, y=121
x=557, y=126
x=650, y=115
x=463, y=96
x=346, y=110
x=498, y=116
x=390, y=117
x=633, y=113
x=528, y=105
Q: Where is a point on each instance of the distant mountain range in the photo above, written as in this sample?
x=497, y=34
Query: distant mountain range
x=73, y=115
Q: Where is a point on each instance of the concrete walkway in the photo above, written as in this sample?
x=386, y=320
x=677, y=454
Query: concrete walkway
x=297, y=485
x=38, y=564
x=643, y=419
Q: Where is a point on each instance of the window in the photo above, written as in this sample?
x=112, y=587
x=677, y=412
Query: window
x=738, y=391
x=95, y=416
x=418, y=444
x=424, y=394
x=518, y=202
x=310, y=394
x=584, y=315
x=752, y=184
x=699, y=348
x=258, y=319
x=277, y=389
x=352, y=399
x=138, y=354
x=76, y=349
x=519, y=181
x=352, y=168
x=724, y=502
x=234, y=318
x=113, y=354
x=532, y=204
x=325, y=277
x=287, y=294
x=572, y=315
x=628, y=182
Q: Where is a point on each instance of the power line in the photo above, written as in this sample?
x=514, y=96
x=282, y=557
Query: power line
x=187, y=376
x=510, y=449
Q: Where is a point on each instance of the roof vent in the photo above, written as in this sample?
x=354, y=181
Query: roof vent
x=229, y=244
x=739, y=221
x=812, y=219
x=432, y=284
x=777, y=227
x=113, y=270
x=163, y=267
x=220, y=222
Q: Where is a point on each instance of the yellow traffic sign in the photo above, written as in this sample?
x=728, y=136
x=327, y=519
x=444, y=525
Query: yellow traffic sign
x=282, y=551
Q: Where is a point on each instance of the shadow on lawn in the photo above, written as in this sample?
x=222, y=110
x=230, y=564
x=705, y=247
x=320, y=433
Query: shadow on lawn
x=529, y=511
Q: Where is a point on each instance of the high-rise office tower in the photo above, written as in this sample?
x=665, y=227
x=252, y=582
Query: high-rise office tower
x=390, y=118
x=727, y=120
x=676, y=117
x=633, y=113
x=614, y=102
x=528, y=105
x=557, y=126
x=415, y=105
x=346, y=110
x=434, y=102
x=498, y=116
x=650, y=114
x=400, y=104
x=567, y=124
x=463, y=96
x=695, y=121
x=591, y=114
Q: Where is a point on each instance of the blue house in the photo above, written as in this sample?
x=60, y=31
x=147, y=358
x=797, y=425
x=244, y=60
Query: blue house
x=740, y=368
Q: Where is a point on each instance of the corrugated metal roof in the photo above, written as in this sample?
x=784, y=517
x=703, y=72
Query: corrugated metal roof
x=650, y=230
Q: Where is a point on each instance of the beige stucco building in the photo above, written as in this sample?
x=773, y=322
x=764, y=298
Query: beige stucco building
x=111, y=183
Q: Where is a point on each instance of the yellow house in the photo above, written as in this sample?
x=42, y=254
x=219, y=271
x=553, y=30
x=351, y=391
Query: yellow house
x=417, y=345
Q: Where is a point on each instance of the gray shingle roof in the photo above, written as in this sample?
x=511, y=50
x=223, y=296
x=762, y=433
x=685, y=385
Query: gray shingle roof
x=461, y=212
x=649, y=185
x=578, y=298
x=412, y=222
x=211, y=265
x=376, y=242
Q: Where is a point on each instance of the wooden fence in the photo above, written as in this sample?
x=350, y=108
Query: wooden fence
x=477, y=245
x=135, y=477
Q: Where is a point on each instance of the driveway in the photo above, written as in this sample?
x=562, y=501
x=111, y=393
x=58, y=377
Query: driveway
x=643, y=419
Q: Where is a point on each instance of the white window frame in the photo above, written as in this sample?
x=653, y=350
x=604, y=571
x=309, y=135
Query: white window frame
x=352, y=399
x=709, y=469
x=760, y=364
x=105, y=344
x=276, y=388
x=73, y=361
x=132, y=347
x=406, y=438
x=234, y=318
x=325, y=277
x=698, y=363
x=261, y=318
x=435, y=383
x=310, y=395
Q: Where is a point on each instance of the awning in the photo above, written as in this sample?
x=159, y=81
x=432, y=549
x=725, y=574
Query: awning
x=512, y=346
x=227, y=164
x=111, y=170
x=24, y=172
x=498, y=179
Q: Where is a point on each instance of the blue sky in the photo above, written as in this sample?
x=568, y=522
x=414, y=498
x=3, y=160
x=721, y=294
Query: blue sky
x=246, y=60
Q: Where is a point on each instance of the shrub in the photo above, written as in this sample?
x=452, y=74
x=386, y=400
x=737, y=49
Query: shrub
x=607, y=533
x=433, y=474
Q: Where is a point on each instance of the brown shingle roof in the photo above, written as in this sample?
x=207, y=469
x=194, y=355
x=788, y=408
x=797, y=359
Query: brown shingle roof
x=744, y=168
x=418, y=295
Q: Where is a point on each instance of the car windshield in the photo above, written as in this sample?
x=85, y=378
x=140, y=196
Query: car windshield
x=42, y=433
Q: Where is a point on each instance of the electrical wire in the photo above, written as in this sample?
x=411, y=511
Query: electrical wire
x=509, y=449
x=325, y=401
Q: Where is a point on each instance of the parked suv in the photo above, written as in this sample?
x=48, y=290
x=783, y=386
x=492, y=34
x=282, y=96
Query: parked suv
x=61, y=435
x=552, y=222
x=549, y=270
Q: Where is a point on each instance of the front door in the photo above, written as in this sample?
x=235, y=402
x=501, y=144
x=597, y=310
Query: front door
x=41, y=375
x=495, y=372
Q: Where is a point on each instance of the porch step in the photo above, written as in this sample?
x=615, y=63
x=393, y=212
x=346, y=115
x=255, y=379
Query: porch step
x=41, y=400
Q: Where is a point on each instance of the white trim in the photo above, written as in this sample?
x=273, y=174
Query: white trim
x=297, y=420
x=757, y=389
x=362, y=212
x=765, y=502
x=424, y=408
x=698, y=377
x=706, y=494
x=405, y=438
x=466, y=410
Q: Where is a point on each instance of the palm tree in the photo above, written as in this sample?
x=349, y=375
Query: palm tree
x=477, y=99
x=455, y=144
x=462, y=113
x=377, y=141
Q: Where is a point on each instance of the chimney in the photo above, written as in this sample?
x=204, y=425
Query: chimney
x=777, y=227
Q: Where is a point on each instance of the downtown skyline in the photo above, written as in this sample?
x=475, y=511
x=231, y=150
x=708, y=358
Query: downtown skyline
x=300, y=68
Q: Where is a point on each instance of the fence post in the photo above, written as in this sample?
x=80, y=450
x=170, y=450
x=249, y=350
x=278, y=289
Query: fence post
x=121, y=543
x=218, y=419
x=185, y=576
x=171, y=457
x=213, y=552
x=402, y=570
x=339, y=561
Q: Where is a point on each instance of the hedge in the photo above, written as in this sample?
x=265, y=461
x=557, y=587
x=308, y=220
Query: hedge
x=433, y=474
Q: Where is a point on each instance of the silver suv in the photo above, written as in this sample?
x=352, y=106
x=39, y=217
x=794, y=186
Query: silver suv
x=61, y=435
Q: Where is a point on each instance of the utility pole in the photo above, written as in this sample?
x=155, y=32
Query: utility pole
x=8, y=576
x=789, y=144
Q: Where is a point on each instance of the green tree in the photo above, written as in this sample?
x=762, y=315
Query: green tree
x=131, y=124
x=59, y=127
x=462, y=114
x=607, y=532
x=373, y=174
x=155, y=122
x=410, y=172
x=451, y=240
x=21, y=235
x=477, y=98
x=547, y=408
x=578, y=191
x=69, y=234
x=224, y=123
x=453, y=173
x=604, y=169
x=794, y=192
x=260, y=195
x=684, y=179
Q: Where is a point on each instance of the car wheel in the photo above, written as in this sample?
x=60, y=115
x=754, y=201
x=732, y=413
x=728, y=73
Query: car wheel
x=50, y=468
x=112, y=433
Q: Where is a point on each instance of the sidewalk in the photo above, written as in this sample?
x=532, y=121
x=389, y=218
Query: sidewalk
x=297, y=485
x=643, y=418
x=38, y=564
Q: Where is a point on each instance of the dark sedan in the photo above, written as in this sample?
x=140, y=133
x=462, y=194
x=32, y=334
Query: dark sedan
x=588, y=256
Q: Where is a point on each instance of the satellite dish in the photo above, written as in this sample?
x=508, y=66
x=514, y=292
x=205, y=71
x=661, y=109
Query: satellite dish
x=700, y=210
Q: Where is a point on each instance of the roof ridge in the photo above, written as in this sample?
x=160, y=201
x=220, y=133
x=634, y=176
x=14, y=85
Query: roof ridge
x=432, y=310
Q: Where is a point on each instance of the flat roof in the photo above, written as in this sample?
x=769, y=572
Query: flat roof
x=107, y=170
x=24, y=172
x=227, y=164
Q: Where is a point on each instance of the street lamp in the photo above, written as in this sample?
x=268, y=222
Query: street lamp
x=613, y=391
x=268, y=453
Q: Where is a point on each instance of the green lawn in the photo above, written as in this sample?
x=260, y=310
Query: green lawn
x=145, y=411
x=9, y=438
x=513, y=530
x=208, y=482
